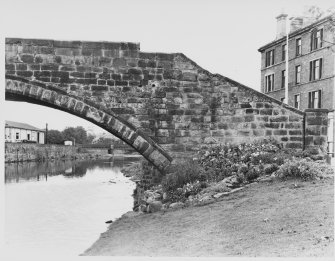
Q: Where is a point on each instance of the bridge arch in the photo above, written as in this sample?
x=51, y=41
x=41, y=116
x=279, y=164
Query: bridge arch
x=31, y=91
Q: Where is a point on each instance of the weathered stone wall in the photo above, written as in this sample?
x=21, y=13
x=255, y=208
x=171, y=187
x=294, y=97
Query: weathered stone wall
x=151, y=176
x=16, y=152
x=316, y=125
x=166, y=97
x=94, y=151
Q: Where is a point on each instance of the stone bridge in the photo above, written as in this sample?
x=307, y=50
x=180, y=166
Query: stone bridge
x=163, y=105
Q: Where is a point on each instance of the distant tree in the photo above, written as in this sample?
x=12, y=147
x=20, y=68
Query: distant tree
x=317, y=13
x=55, y=137
x=79, y=134
x=90, y=138
x=105, y=141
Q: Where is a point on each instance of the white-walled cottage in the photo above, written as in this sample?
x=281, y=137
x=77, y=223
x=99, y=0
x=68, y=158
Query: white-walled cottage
x=22, y=132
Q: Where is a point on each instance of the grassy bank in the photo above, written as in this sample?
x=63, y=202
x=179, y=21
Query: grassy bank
x=250, y=199
x=278, y=218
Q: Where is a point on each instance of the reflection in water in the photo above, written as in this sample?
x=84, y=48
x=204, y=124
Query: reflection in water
x=39, y=171
x=60, y=207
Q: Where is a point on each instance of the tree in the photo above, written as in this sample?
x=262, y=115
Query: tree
x=105, y=141
x=55, y=137
x=317, y=13
x=90, y=138
x=78, y=134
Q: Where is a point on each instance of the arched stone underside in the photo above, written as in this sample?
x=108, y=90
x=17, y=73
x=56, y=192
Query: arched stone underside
x=22, y=89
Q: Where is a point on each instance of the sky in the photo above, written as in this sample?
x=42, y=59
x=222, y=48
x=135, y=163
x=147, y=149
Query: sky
x=222, y=36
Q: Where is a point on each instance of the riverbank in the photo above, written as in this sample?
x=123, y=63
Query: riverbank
x=25, y=152
x=265, y=219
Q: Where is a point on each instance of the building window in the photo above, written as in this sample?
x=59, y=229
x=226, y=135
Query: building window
x=283, y=73
x=297, y=74
x=269, y=58
x=316, y=39
x=315, y=69
x=314, y=99
x=283, y=52
x=269, y=83
x=297, y=101
x=17, y=135
x=28, y=136
x=298, y=47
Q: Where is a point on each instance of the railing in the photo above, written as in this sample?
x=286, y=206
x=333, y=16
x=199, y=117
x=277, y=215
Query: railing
x=330, y=148
x=330, y=134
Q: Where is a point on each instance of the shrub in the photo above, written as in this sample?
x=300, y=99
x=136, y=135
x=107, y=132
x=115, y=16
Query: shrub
x=240, y=178
x=261, y=157
x=223, y=161
x=182, y=173
x=174, y=196
x=202, y=177
x=217, y=188
x=192, y=188
x=243, y=169
x=311, y=153
x=303, y=169
x=253, y=173
x=269, y=169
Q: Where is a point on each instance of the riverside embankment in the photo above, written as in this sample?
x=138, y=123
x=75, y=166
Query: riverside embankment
x=21, y=152
x=274, y=218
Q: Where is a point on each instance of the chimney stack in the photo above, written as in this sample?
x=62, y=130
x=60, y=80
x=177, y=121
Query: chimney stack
x=281, y=25
x=296, y=24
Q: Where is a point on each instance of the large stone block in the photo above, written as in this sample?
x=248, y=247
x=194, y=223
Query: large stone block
x=316, y=120
x=280, y=132
x=265, y=111
x=295, y=132
x=291, y=145
x=189, y=76
x=279, y=119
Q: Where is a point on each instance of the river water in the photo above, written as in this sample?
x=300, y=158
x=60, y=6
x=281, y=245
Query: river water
x=60, y=207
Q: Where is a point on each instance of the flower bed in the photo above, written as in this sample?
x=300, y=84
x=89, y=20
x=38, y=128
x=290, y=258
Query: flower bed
x=224, y=169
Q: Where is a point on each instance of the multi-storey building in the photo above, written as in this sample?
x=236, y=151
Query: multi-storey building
x=311, y=53
x=310, y=68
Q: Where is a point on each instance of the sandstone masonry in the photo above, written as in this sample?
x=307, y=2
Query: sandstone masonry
x=163, y=105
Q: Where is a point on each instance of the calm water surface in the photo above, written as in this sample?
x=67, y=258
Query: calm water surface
x=60, y=208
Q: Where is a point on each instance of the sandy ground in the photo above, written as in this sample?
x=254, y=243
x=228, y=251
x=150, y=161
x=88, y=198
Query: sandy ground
x=265, y=219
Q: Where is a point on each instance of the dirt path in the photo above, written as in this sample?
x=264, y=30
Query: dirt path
x=265, y=219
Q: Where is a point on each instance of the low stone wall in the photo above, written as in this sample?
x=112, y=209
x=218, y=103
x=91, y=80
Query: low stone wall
x=100, y=151
x=16, y=152
x=316, y=124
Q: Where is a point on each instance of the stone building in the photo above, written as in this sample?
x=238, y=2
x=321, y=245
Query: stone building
x=22, y=132
x=311, y=65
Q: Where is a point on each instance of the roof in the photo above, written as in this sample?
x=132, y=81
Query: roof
x=20, y=125
x=296, y=32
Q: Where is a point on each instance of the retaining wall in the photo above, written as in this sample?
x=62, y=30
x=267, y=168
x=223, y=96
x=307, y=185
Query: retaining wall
x=16, y=152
